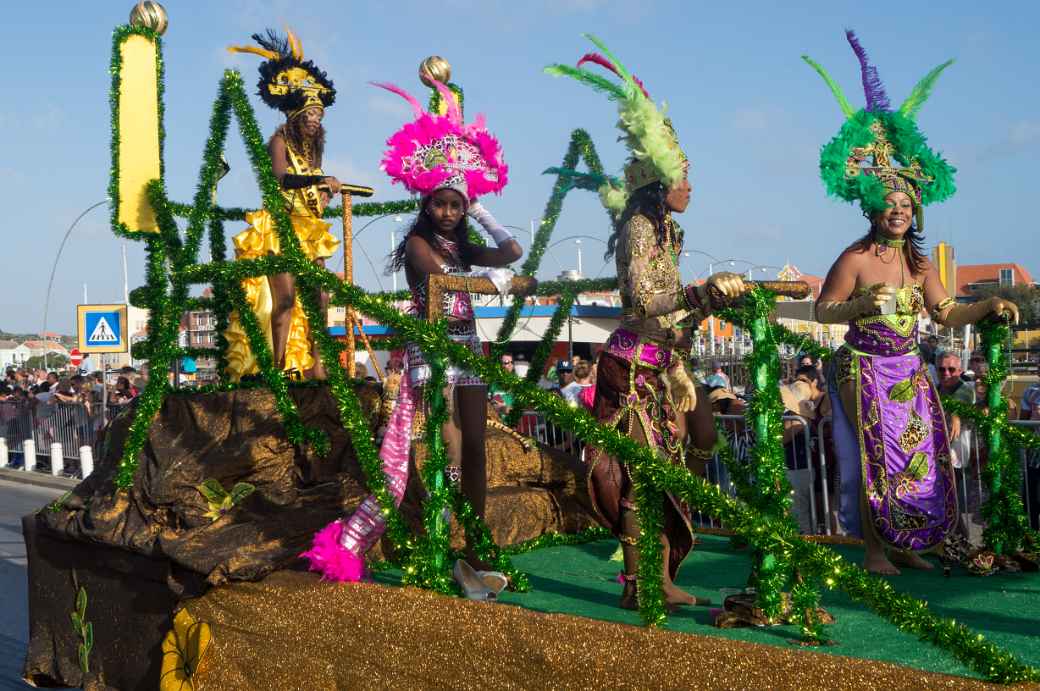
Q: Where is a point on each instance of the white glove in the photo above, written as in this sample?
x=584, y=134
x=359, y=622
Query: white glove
x=502, y=278
x=491, y=226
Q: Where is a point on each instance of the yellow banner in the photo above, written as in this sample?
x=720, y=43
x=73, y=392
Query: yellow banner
x=139, y=154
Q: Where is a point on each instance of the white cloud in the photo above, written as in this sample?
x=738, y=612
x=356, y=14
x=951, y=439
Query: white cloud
x=1021, y=136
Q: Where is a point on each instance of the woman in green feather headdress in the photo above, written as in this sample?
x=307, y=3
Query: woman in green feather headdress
x=642, y=386
x=897, y=483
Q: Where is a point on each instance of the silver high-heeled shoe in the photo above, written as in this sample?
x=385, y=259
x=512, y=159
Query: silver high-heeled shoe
x=472, y=585
x=495, y=581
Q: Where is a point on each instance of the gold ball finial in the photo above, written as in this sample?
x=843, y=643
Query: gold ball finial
x=150, y=15
x=434, y=67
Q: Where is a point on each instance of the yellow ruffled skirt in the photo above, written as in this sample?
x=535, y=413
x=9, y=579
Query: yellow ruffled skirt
x=260, y=239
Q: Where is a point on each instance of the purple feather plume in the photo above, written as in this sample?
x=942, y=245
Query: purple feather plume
x=873, y=89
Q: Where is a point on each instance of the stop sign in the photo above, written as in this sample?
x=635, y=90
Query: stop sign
x=75, y=357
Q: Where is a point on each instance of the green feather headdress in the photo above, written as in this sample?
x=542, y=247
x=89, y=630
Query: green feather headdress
x=654, y=149
x=879, y=150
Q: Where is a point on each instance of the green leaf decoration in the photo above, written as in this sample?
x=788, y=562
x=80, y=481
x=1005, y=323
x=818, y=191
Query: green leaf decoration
x=903, y=391
x=918, y=466
x=84, y=659
x=77, y=621
x=240, y=491
x=81, y=602
x=213, y=491
x=88, y=637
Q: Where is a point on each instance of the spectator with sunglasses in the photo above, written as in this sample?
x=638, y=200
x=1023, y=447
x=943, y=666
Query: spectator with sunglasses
x=948, y=366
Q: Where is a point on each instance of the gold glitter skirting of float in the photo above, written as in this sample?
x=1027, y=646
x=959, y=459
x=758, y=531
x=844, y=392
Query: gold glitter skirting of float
x=291, y=631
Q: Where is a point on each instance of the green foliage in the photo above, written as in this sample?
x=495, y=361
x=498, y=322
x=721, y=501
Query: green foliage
x=1026, y=297
x=53, y=361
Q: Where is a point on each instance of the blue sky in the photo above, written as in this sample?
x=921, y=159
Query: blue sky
x=749, y=113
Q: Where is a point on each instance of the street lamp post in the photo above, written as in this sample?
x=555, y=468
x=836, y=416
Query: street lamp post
x=54, y=269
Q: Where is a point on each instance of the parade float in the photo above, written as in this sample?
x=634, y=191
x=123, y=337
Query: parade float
x=176, y=563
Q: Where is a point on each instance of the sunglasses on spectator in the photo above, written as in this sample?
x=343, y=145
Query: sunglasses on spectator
x=947, y=369
x=507, y=362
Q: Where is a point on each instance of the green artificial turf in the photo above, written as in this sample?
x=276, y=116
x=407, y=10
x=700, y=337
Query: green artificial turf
x=582, y=581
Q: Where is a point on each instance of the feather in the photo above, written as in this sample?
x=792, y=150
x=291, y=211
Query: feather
x=921, y=92
x=873, y=89
x=448, y=97
x=839, y=95
x=619, y=69
x=268, y=54
x=331, y=559
x=589, y=79
x=603, y=62
x=273, y=42
x=294, y=44
x=416, y=107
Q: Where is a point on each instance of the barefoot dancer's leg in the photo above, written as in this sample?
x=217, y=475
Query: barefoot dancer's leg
x=471, y=414
x=318, y=372
x=874, y=559
x=630, y=532
x=283, y=296
x=700, y=425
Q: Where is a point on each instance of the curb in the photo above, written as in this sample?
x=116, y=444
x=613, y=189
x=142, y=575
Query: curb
x=37, y=479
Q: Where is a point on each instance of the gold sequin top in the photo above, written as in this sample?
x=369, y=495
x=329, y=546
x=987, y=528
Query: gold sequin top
x=652, y=300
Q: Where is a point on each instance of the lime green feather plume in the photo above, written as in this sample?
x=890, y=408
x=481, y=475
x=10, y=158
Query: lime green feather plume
x=588, y=78
x=839, y=95
x=630, y=83
x=921, y=92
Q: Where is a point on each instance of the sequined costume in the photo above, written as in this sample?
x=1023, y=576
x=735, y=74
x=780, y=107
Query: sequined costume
x=260, y=239
x=894, y=443
x=291, y=85
x=630, y=391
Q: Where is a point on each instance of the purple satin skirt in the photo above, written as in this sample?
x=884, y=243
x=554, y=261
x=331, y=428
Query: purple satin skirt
x=894, y=446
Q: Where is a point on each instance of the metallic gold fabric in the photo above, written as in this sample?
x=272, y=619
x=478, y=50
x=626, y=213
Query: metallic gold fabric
x=259, y=240
x=293, y=632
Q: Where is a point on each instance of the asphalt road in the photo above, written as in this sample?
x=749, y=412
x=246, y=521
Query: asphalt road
x=16, y=500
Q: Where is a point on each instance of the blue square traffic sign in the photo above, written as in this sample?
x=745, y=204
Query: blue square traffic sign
x=102, y=328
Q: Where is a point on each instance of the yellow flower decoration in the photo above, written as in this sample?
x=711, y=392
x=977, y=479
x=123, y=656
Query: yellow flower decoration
x=183, y=650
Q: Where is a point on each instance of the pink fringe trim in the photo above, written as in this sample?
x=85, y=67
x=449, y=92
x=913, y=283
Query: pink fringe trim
x=333, y=561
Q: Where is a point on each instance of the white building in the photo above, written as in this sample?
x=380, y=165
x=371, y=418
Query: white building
x=13, y=354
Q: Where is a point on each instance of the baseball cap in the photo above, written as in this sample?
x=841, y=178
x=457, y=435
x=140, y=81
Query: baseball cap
x=564, y=366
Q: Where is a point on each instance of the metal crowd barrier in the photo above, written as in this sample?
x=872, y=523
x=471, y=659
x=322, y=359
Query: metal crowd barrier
x=813, y=470
x=43, y=435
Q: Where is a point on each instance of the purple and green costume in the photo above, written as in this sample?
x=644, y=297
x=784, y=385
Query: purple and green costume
x=894, y=445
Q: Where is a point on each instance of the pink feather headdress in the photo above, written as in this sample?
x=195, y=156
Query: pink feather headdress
x=437, y=151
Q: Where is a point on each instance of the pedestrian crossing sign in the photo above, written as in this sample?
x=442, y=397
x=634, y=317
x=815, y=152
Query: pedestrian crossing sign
x=102, y=328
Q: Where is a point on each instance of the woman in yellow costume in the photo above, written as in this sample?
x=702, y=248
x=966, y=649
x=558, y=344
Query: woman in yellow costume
x=301, y=91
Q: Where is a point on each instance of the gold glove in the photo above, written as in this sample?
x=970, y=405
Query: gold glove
x=729, y=284
x=679, y=388
x=958, y=315
x=865, y=305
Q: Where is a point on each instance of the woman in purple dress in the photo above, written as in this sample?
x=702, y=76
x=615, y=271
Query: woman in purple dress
x=897, y=483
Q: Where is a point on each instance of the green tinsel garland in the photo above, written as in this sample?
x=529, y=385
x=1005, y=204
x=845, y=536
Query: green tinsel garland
x=580, y=148
x=544, y=348
x=559, y=540
x=427, y=566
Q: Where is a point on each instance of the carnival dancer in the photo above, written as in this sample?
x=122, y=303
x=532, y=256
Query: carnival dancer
x=449, y=164
x=897, y=483
x=642, y=386
x=301, y=91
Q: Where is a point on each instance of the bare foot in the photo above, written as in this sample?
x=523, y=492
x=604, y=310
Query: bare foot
x=911, y=560
x=878, y=563
x=677, y=596
x=629, y=596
